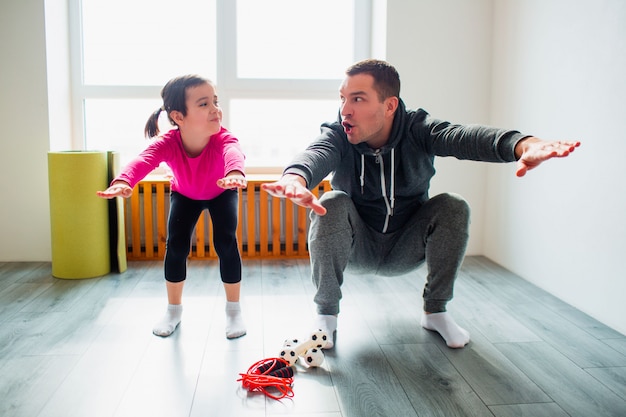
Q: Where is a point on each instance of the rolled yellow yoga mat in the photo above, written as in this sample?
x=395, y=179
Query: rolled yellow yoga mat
x=79, y=218
x=117, y=227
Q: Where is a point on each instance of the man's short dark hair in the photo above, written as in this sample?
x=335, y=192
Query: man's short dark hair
x=386, y=78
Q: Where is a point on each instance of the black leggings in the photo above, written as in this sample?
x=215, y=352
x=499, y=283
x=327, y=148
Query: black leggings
x=184, y=214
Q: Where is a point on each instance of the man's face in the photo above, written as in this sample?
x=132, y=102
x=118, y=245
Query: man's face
x=364, y=117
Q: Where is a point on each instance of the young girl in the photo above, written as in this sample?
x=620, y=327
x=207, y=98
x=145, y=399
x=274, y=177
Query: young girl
x=208, y=167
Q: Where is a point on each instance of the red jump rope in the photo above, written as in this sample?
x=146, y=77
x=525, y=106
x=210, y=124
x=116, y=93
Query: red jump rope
x=267, y=374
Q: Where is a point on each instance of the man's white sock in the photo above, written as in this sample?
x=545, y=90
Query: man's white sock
x=328, y=324
x=443, y=323
x=170, y=321
x=235, y=326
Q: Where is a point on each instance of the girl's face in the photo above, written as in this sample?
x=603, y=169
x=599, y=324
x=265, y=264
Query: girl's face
x=204, y=114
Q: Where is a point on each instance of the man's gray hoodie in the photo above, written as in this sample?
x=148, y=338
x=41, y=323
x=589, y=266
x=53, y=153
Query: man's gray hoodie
x=388, y=184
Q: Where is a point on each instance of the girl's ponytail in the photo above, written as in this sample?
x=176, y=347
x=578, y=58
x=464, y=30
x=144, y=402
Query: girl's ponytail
x=152, y=125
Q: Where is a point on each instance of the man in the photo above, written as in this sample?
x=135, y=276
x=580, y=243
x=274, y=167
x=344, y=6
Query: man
x=379, y=217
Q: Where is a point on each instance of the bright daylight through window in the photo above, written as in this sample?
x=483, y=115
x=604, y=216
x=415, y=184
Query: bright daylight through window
x=277, y=65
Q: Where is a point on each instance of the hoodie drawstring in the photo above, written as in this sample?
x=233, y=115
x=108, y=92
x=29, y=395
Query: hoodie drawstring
x=393, y=177
x=362, y=177
x=391, y=201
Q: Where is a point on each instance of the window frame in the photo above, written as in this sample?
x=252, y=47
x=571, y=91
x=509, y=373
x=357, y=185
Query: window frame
x=230, y=86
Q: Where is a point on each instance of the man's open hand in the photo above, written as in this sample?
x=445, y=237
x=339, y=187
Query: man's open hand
x=533, y=151
x=294, y=188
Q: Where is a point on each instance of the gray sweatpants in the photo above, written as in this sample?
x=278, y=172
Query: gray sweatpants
x=436, y=234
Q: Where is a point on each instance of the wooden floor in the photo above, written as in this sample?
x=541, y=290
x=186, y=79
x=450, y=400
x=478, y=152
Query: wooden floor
x=84, y=348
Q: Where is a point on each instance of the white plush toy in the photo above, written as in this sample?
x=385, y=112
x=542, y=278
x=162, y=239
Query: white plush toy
x=310, y=349
x=313, y=357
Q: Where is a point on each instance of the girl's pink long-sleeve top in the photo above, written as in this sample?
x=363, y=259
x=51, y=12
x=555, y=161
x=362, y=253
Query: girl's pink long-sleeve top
x=195, y=177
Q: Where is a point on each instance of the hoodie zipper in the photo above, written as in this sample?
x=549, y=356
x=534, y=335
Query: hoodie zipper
x=389, y=201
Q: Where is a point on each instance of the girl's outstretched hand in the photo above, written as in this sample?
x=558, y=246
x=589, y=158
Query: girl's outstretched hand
x=233, y=180
x=118, y=189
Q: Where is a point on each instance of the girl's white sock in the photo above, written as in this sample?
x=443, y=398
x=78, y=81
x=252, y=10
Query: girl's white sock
x=235, y=326
x=443, y=323
x=170, y=321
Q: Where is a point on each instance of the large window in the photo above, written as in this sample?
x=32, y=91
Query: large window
x=277, y=65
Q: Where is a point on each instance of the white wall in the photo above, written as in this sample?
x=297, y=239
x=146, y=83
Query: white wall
x=551, y=68
x=24, y=212
x=560, y=73
x=442, y=50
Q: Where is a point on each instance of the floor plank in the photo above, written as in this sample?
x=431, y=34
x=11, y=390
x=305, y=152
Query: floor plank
x=528, y=410
x=360, y=372
x=494, y=378
x=28, y=382
x=433, y=385
x=571, y=387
